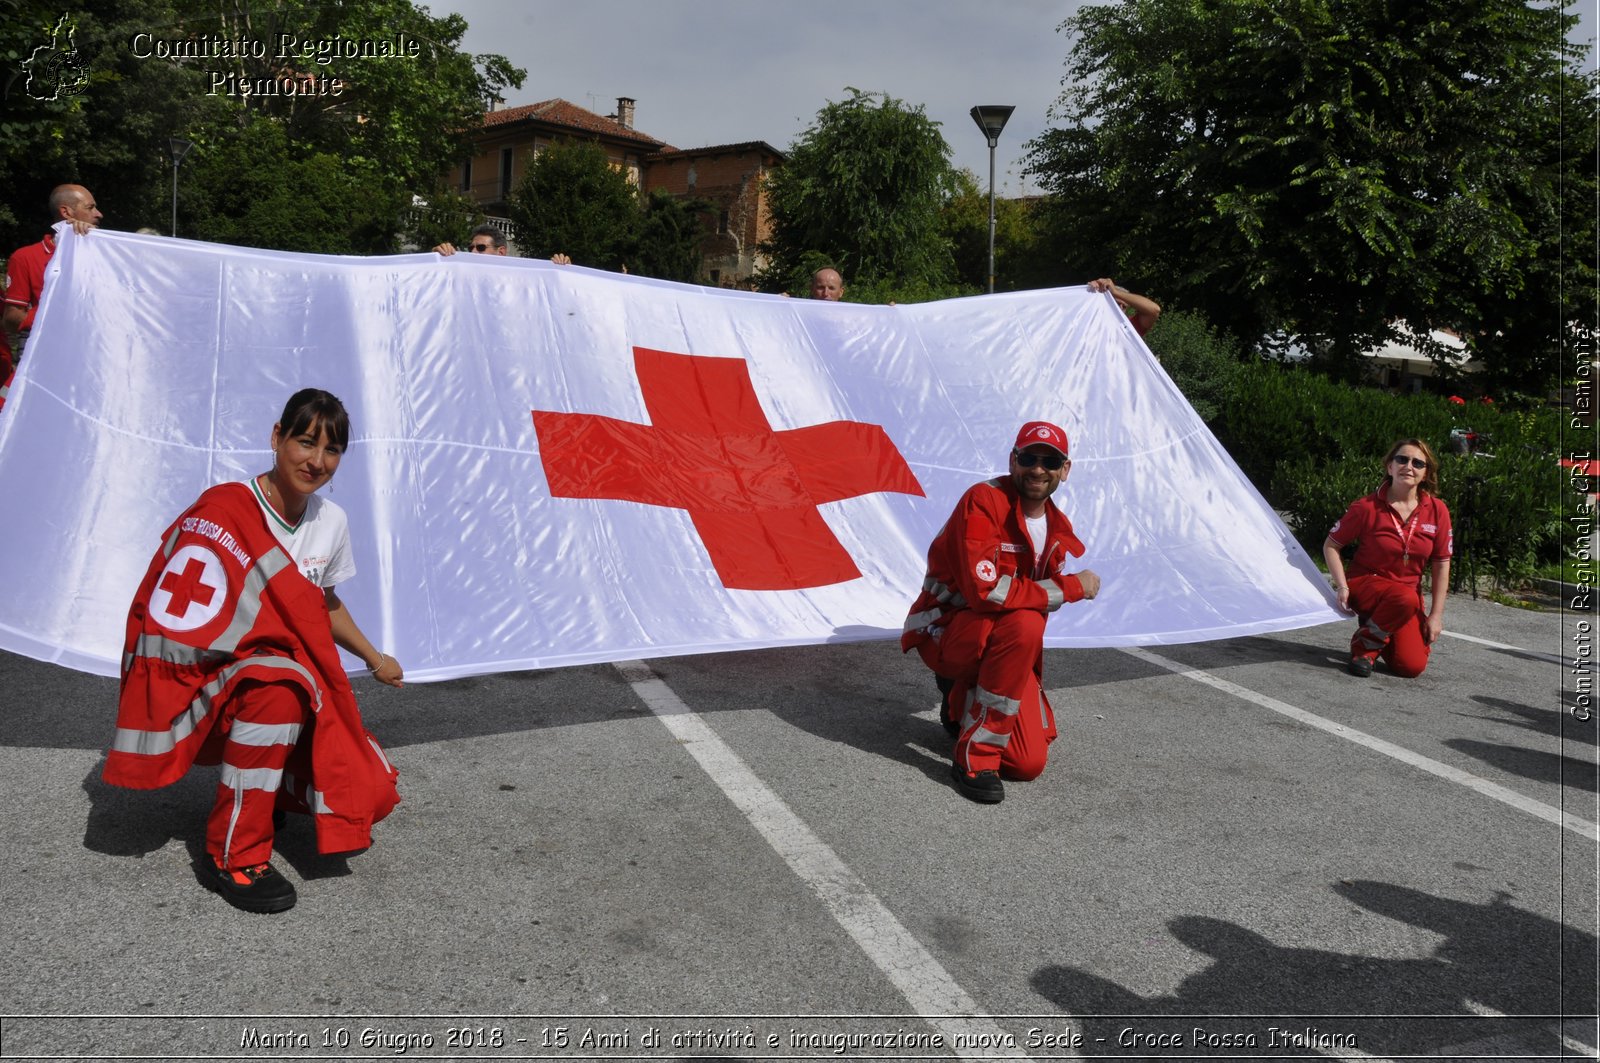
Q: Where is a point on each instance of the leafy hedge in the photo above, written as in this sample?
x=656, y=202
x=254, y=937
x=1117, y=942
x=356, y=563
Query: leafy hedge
x=1311, y=445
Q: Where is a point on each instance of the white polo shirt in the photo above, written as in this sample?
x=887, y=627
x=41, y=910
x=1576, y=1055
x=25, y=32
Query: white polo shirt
x=319, y=543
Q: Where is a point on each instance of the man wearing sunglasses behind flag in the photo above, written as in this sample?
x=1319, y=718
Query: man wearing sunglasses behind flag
x=995, y=571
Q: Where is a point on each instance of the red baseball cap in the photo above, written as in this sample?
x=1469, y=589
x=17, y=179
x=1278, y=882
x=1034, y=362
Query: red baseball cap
x=1042, y=433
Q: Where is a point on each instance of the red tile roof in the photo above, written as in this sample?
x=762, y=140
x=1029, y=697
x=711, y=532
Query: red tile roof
x=721, y=149
x=559, y=112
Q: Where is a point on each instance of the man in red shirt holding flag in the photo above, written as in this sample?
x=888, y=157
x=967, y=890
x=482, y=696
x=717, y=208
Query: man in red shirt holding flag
x=995, y=571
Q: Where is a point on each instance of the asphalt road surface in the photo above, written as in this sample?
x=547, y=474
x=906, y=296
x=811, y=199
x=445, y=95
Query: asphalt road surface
x=1236, y=851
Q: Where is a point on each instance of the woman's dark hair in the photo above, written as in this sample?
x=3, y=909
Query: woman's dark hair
x=312, y=408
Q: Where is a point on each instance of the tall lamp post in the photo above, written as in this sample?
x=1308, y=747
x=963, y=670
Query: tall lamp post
x=180, y=148
x=991, y=120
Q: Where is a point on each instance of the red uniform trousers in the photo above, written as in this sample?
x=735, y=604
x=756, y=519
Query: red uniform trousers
x=1392, y=619
x=994, y=659
x=264, y=721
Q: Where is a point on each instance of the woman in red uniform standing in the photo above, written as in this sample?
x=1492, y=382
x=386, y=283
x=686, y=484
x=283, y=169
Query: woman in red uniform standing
x=1398, y=529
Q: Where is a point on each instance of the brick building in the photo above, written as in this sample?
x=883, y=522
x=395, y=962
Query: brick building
x=730, y=176
x=733, y=178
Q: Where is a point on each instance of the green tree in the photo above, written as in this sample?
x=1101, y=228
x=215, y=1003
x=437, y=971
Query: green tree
x=254, y=188
x=965, y=222
x=1326, y=167
x=670, y=232
x=396, y=124
x=573, y=201
x=863, y=189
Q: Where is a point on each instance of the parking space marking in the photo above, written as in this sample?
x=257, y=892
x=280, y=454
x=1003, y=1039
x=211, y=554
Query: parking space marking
x=1532, y=655
x=920, y=978
x=1548, y=813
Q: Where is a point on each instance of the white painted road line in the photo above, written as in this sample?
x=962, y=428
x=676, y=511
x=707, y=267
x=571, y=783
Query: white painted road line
x=1549, y=813
x=1532, y=655
x=924, y=982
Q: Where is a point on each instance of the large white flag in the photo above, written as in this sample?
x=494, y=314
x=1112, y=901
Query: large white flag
x=554, y=465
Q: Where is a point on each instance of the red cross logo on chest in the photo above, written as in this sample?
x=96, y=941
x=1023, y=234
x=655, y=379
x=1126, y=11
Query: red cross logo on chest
x=751, y=492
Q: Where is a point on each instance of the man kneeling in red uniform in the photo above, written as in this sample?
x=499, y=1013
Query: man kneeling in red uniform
x=996, y=569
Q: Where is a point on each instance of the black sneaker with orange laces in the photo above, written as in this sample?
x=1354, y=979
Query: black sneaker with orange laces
x=985, y=787
x=258, y=889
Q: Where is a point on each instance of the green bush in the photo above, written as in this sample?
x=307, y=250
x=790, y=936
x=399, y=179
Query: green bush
x=1313, y=445
x=1201, y=362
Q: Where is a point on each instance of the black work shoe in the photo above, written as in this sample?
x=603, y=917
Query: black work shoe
x=984, y=787
x=947, y=719
x=1361, y=666
x=258, y=889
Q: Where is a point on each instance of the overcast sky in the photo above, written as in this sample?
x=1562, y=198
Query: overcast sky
x=722, y=71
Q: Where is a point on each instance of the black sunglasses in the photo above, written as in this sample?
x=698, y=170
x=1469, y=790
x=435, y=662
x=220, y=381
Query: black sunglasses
x=1027, y=459
x=1415, y=463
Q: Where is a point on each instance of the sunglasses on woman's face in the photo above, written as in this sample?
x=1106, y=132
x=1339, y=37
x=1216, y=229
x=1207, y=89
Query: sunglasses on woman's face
x=1027, y=459
x=1415, y=463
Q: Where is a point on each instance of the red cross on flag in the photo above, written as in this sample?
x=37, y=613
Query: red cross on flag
x=556, y=465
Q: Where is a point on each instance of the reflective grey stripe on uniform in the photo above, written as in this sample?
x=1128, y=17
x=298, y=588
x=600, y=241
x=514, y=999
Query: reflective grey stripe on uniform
x=998, y=702
x=172, y=651
x=1372, y=636
x=986, y=737
x=159, y=743
x=939, y=590
x=1002, y=588
x=918, y=621
x=309, y=796
x=377, y=751
x=996, y=482
x=237, y=779
x=264, y=734
x=1055, y=597
x=172, y=542
x=248, y=608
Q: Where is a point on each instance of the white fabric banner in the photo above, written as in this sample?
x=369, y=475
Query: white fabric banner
x=743, y=496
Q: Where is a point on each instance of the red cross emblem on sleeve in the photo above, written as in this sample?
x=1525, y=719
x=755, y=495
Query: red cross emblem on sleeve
x=751, y=492
x=190, y=590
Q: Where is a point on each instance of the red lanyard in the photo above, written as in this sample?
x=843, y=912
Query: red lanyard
x=1405, y=531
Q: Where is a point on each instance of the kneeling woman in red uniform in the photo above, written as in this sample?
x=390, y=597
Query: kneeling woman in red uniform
x=1398, y=529
x=230, y=657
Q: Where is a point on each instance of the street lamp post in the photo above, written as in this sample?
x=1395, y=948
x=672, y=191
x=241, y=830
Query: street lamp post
x=991, y=120
x=180, y=148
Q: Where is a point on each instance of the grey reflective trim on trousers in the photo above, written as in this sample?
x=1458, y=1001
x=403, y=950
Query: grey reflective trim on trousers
x=309, y=796
x=986, y=737
x=998, y=702
x=236, y=779
x=159, y=743
x=1055, y=597
x=248, y=605
x=1002, y=588
x=1373, y=636
x=264, y=734
x=918, y=621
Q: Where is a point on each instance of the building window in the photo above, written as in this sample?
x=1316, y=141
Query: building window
x=507, y=155
x=466, y=176
x=722, y=223
x=716, y=277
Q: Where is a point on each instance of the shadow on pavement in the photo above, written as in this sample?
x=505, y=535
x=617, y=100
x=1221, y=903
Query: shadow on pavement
x=1495, y=956
x=1537, y=764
